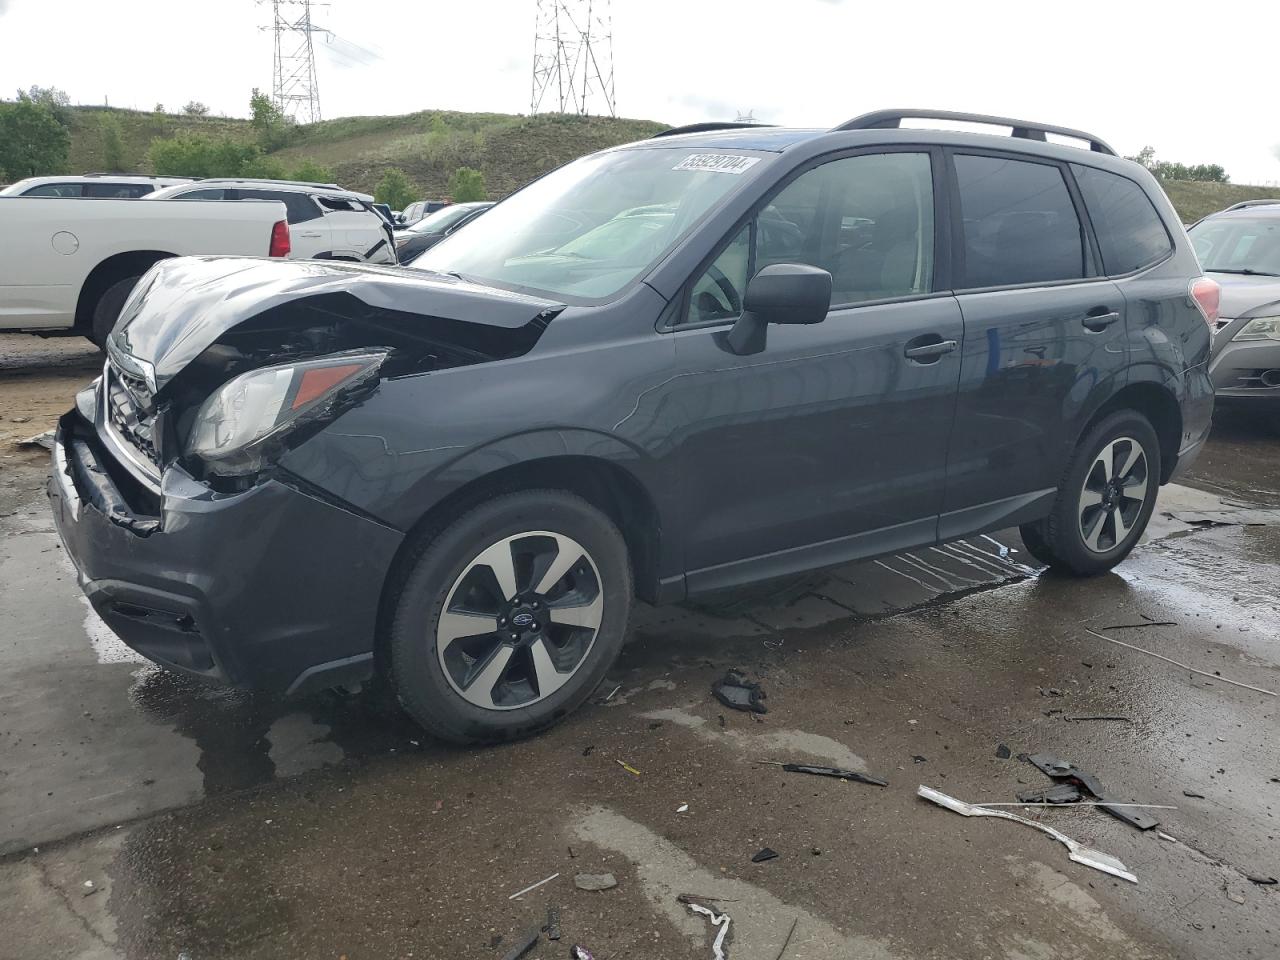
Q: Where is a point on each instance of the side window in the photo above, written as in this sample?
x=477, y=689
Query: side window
x=1130, y=232
x=207, y=194
x=717, y=294
x=54, y=190
x=298, y=206
x=866, y=220
x=1020, y=225
x=117, y=191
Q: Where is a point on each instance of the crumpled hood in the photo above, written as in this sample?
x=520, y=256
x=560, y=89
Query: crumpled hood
x=1242, y=295
x=184, y=304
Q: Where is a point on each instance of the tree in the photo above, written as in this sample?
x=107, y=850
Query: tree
x=467, y=184
x=159, y=108
x=269, y=125
x=57, y=101
x=200, y=155
x=32, y=141
x=113, y=155
x=395, y=190
x=1171, y=170
x=312, y=172
x=195, y=108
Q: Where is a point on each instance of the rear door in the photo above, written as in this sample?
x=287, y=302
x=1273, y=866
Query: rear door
x=831, y=441
x=1044, y=335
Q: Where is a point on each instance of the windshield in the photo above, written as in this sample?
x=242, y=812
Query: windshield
x=592, y=227
x=442, y=219
x=1245, y=245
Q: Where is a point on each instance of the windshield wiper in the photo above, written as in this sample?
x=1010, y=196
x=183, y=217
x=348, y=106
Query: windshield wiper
x=1243, y=271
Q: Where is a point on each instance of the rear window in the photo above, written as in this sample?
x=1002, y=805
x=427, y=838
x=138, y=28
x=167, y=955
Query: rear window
x=1020, y=225
x=1129, y=230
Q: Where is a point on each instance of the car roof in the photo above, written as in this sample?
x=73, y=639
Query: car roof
x=297, y=186
x=1270, y=211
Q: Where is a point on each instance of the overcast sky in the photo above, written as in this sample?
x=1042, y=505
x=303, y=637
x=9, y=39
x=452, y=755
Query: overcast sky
x=1132, y=73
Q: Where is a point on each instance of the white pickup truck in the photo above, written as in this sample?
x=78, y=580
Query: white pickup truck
x=67, y=267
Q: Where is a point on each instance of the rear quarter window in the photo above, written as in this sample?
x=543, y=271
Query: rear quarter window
x=55, y=190
x=1130, y=232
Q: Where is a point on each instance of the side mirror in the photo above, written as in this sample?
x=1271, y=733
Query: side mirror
x=780, y=293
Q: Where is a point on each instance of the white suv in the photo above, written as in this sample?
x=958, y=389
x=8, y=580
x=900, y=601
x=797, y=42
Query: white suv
x=326, y=222
x=101, y=186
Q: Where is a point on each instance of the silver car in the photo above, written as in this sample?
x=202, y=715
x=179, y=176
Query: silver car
x=1240, y=248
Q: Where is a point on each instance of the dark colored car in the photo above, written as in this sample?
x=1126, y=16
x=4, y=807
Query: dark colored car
x=1240, y=248
x=433, y=228
x=676, y=366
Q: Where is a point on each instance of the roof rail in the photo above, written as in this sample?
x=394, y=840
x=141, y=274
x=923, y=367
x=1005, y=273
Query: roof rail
x=704, y=127
x=1022, y=129
x=282, y=183
x=1260, y=202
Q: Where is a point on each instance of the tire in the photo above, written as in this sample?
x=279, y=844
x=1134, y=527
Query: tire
x=1081, y=537
x=107, y=310
x=454, y=683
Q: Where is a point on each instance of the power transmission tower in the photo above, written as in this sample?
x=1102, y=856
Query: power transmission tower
x=294, y=89
x=573, y=58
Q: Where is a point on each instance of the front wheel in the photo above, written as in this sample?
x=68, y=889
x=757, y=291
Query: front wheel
x=1104, y=501
x=510, y=616
x=107, y=310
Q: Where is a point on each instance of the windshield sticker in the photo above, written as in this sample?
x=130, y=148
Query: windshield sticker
x=717, y=163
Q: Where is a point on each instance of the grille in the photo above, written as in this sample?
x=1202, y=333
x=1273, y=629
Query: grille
x=133, y=421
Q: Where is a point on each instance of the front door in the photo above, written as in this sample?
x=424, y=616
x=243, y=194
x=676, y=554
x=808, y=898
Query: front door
x=831, y=441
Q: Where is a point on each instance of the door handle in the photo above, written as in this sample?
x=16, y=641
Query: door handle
x=928, y=352
x=311, y=236
x=1099, y=318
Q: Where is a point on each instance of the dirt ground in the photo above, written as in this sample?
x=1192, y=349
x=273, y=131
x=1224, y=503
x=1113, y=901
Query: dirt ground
x=142, y=816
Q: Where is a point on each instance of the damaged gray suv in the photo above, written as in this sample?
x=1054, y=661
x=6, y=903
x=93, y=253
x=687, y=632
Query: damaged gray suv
x=721, y=355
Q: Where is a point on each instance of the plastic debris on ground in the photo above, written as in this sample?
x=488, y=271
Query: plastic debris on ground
x=523, y=945
x=1059, y=793
x=595, y=881
x=44, y=440
x=1061, y=770
x=765, y=854
x=1003, y=752
x=553, y=923
x=627, y=767
x=720, y=920
x=533, y=886
x=1077, y=851
x=580, y=952
x=738, y=693
x=836, y=772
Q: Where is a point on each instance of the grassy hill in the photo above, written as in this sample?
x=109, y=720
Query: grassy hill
x=430, y=145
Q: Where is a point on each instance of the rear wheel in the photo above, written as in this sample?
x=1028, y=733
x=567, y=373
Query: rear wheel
x=1104, y=501
x=510, y=616
x=107, y=310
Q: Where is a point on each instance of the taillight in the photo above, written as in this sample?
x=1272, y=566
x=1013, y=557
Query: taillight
x=1205, y=293
x=280, y=246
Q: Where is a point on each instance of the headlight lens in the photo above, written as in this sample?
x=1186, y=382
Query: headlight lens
x=242, y=417
x=1262, y=328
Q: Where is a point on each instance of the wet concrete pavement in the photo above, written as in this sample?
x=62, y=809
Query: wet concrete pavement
x=221, y=824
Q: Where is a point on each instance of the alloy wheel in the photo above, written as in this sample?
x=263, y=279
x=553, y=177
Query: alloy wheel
x=520, y=620
x=1115, y=489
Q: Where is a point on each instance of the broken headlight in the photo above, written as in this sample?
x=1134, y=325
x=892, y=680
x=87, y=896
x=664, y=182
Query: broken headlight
x=1263, y=328
x=245, y=416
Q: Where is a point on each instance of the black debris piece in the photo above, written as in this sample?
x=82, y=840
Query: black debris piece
x=654, y=724
x=688, y=898
x=1058, y=793
x=1261, y=881
x=1066, y=770
x=738, y=693
x=836, y=772
x=553, y=922
x=1003, y=752
x=1192, y=795
x=586, y=751
x=764, y=854
x=523, y=945
x=919, y=759
x=1023, y=757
